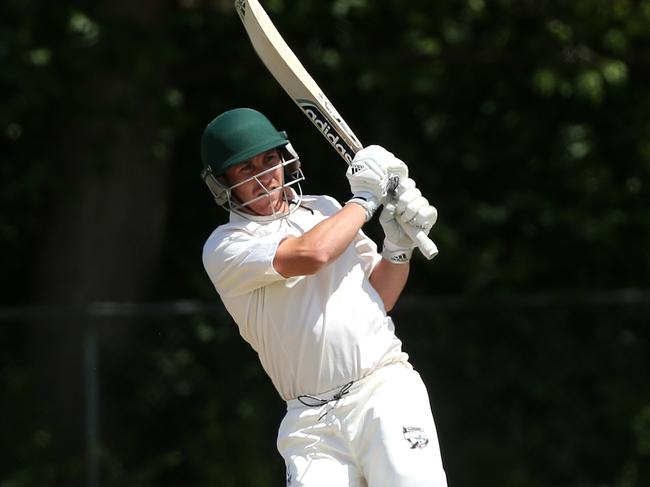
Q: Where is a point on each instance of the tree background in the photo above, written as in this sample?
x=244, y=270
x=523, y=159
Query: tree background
x=524, y=121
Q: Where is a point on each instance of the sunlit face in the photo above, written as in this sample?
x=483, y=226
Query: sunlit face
x=259, y=180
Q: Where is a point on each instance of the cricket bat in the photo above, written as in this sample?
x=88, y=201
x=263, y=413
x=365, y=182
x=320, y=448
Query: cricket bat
x=303, y=90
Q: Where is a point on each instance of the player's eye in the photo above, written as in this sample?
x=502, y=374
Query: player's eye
x=246, y=169
x=271, y=159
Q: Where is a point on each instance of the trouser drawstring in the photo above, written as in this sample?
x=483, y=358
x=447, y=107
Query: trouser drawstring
x=315, y=402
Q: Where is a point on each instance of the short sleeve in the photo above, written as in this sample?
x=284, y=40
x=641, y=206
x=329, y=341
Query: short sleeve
x=367, y=251
x=238, y=262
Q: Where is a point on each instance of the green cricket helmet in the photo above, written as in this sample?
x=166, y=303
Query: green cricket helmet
x=237, y=135
x=234, y=137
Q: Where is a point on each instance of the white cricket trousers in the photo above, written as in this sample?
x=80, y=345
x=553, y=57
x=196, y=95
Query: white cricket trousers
x=381, y=433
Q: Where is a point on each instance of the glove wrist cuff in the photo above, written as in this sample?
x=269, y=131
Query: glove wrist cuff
x=367, y=201
x=395, y=253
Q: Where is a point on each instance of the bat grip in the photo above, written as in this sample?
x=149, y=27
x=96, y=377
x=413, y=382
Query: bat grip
x=424, y=243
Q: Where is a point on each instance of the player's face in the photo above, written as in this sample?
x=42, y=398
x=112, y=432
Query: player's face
x=258, y=183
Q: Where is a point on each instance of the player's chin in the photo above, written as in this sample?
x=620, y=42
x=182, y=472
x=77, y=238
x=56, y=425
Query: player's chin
x=267, y=203
x=264, y=207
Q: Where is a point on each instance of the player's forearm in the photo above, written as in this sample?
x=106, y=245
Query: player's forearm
x=334, y=234
x=320, y=245
x=389, y=281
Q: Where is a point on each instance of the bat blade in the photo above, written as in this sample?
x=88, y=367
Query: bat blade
x=289, y=72
x=285, y=67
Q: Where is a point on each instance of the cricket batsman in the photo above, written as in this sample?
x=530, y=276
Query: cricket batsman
x=310, y=293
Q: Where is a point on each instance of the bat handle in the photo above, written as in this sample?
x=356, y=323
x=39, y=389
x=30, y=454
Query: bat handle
x=425, y=244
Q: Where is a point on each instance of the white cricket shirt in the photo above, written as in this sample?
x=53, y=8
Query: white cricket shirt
x=312, y=333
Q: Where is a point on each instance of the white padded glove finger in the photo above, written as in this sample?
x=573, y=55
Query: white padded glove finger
x=413, y=208
x=406, y=198
x=374, y=151
x=378, y=154
x=397, y=169
x=425, y=218
x=404, y=184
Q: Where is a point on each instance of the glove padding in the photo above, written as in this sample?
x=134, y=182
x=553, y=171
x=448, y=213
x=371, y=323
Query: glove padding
x=411, y=208
x=370, y=175
x=407, y=208
x=398, y=246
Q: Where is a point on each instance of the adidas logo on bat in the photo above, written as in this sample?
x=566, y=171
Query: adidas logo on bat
x=321, y=122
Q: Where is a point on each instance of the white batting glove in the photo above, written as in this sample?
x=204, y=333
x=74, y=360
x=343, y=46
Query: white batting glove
x=369, y=177
x=411, y=208
x=407, y=210
x=398, y=246
x=397, y=169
